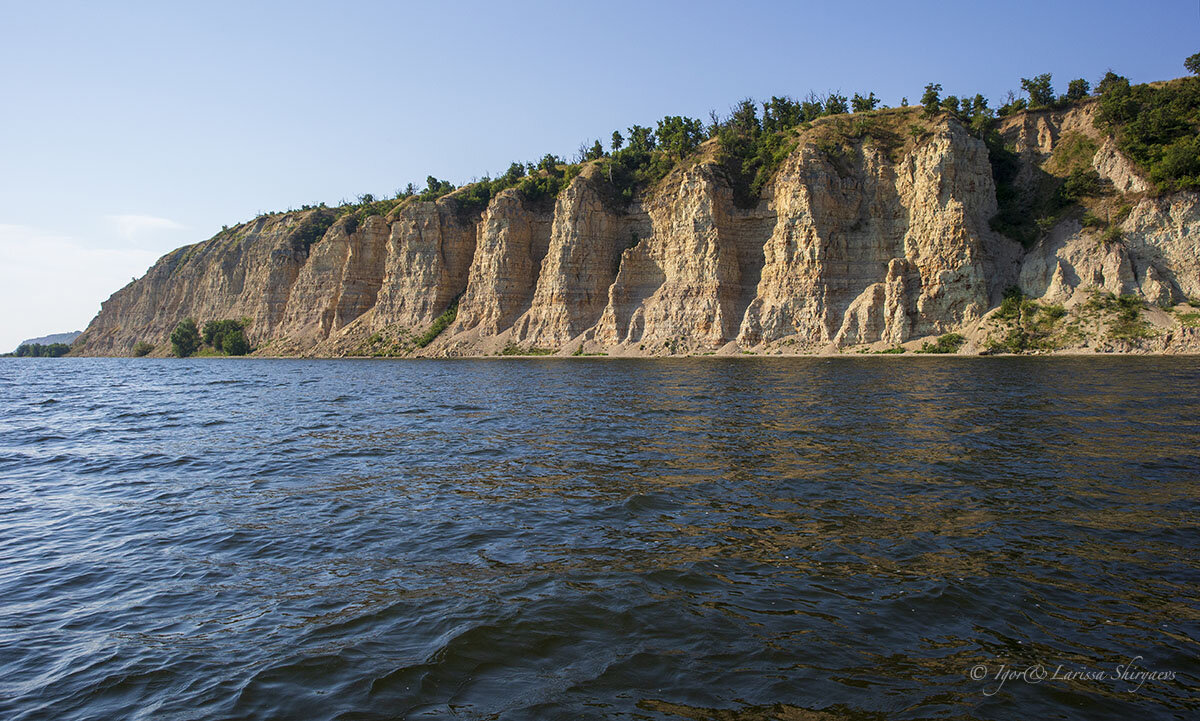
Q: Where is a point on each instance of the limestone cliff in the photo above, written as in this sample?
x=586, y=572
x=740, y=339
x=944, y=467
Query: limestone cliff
x=862, y=240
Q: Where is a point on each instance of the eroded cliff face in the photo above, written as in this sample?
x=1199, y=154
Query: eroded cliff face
x=866, y=245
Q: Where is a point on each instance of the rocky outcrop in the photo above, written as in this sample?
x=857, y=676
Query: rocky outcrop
x=242, y=272
x=872, y=251
x=678, y=288
x=429, y=253
x=587, y=239
x=862, y=241
x=511, y=241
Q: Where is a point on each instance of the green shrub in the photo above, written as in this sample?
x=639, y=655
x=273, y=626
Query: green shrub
x=1125, y=311
x=142, y=348
x=441, y=323
x=948, y=343
x=185, y=339
x=234, y=343
x=1026, y=325
x=1156, y=126
x=514, y=349
x=1112, y=234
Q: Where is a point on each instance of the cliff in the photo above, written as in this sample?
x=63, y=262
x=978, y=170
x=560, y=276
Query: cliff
x=870, y=236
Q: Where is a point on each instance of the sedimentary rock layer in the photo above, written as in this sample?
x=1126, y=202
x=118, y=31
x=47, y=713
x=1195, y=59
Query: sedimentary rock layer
x=861, y=243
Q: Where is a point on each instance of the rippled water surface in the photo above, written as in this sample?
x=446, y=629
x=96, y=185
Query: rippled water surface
x=596, y=538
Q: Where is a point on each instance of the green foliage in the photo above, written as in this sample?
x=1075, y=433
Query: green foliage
x=931, y=99
x=835, y=104
x=514, y=349
x=435, y=189
x=1080, y=183
x=313, y=228
x=441, y=323
x=863, y=105
x=1189, y=319
x=142, y=348
x=1193, y=64
x=648, y=158
x=678, y=136
x=215, y=331
x=1026, y=326
x=37, y=350
x=185, y=339
x=1112, y=234
x=782, y=114
x=749, y=154
x=1041, y=93
x=1157, y=128
x=948, y=343
x=894, y=350
x=235, y=343
x=1125, y=321
x=1078, y=89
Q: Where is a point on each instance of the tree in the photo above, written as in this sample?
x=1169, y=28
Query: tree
x=864, y=104
x=1078, y=89
x=617, y=140
x=950, y=104
x=234, y=343
x=931, y=99
x=185, y=339
x=744, y=118
x=549, y=163
x=679, y=135
x=781, y=114
x=515, y=172
x=595, y=152
x=1110, y=82
x=1041, y=93
x=1193, y=64
x=904, y=102
x=641, y=140
x=835, y=104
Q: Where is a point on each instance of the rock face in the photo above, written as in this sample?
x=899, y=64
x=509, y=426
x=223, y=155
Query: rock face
x=863, y=243
x=428, y=254
x=873, y=251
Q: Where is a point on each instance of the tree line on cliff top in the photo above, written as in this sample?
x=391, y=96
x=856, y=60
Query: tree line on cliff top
x=1155, y=125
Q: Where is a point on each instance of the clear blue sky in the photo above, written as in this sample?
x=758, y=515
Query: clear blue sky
x=128, y=129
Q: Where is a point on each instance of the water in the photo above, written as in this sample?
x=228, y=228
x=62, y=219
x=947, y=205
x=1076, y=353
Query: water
x=595, y=538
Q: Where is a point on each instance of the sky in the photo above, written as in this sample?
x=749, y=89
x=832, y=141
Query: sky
x=129, y=129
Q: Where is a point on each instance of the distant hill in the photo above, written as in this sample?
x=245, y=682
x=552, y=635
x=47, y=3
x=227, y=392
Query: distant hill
x=67, y=338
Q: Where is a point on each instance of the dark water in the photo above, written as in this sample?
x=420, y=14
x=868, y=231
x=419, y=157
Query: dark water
x=545, y=539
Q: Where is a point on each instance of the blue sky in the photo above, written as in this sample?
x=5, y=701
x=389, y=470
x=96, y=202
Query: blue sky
x=128, y=129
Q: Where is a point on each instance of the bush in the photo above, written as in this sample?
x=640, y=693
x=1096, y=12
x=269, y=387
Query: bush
x=185, y=339
x=216, y=331
x=1125, y=323
x=441, y=323
x=234, y=343
x=1080, y=183
x=948, y=343
x=142, y=348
